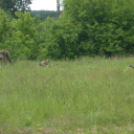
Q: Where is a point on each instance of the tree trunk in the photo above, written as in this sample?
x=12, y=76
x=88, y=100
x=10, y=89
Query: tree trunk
x=58, y=8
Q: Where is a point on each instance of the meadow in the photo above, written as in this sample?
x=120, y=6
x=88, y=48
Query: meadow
x=91, y=96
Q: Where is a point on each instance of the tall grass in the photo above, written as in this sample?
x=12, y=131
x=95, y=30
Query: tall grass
x=93, y=95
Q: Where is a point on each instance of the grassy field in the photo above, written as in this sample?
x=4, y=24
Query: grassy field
x=92, y=96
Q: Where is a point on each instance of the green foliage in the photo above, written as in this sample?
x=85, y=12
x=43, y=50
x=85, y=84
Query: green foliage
x=4, y=28
x=43, y=52
x=25, y=34
x=106, y=25
x=85, y=27
x=62, y=38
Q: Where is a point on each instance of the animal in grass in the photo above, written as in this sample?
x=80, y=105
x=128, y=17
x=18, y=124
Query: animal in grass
x=44, y=63
x=5, y=56
x=130, y=67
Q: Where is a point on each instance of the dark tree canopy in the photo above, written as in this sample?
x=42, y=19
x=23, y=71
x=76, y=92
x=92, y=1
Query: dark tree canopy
x=14, y=5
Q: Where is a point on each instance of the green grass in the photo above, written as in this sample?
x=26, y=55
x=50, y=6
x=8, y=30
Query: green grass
x=91, y=96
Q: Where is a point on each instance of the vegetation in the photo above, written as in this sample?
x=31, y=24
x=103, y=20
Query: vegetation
x=92, y=95
x=44, y=14
x=11, y=6
x=89, y=28
x=89, y=96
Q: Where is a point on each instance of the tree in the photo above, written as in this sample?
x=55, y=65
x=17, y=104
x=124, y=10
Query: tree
x=4, y=27
x=14, y=5
x=25, y=35
x=58, y=8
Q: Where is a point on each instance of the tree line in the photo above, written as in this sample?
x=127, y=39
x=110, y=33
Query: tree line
x=44, y=14
x=85, y=27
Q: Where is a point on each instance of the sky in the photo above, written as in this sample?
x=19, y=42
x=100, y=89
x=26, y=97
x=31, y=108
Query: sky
x=44, y=5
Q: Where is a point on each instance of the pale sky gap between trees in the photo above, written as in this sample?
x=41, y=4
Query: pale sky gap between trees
x=44, y=5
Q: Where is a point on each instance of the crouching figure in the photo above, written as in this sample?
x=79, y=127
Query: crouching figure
x=5, y=56
x=44, y=63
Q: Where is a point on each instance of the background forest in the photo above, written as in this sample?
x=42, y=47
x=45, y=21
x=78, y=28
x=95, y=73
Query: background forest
x=95, y=27
x=44, y=14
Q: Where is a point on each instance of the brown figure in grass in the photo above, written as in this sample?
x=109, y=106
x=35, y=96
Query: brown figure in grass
x=44, y=63
x=5, y=56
